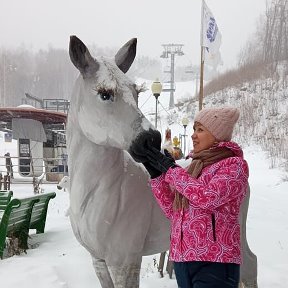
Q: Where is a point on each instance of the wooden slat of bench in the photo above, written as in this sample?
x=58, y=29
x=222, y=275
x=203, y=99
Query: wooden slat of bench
x=5, y=197
x=39, y=212
x=21, y=214
x=17, y=216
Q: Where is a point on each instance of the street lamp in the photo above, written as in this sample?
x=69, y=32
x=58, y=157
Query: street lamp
x=156, y=88
x=185, y=122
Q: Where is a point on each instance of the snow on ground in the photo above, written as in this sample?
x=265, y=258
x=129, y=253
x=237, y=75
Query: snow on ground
x=58, y=260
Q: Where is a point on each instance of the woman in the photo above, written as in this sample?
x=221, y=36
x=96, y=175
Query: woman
x=202, y=201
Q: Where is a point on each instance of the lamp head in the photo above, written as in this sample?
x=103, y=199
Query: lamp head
x=156, y=88
x=185, y=122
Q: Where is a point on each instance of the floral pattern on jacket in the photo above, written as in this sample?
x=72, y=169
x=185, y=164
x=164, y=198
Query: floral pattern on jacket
x=209, y=229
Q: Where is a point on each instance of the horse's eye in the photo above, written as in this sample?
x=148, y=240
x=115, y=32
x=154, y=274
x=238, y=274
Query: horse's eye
x=105, y=96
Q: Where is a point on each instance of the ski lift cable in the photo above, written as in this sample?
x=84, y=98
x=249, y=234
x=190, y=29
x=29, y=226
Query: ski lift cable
x=145, y=101
x=169, y=114
x=164, y=108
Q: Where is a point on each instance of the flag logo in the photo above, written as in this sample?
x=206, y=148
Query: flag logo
x=212, y=30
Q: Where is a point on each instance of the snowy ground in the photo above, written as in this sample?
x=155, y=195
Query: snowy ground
x=57, y=260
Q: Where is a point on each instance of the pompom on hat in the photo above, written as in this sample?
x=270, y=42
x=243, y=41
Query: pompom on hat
x=219, y=121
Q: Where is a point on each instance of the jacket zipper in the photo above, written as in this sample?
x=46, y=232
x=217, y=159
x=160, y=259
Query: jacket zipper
x=181, y=235
x=213, y=226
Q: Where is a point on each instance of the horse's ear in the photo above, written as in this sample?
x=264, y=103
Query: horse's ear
x=81, y=58
x=126, y=55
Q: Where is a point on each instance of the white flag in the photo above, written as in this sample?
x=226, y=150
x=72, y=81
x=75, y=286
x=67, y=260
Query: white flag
x=212, y=59
x=210, y=37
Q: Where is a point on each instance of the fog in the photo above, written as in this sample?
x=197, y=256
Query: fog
x=38, y=24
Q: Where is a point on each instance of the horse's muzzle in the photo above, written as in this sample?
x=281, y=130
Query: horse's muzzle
x=138, y=147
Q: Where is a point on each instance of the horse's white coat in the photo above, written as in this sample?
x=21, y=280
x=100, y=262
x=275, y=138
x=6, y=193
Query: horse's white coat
x=112, y=210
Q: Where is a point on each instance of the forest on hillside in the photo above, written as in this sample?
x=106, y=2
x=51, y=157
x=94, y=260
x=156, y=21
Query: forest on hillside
x=265, y=54
x=50, y=74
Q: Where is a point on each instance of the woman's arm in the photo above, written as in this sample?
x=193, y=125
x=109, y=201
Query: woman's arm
x=229, y=182
x=163, y=194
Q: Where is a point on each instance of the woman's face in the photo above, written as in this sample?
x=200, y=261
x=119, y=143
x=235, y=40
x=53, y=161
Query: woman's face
x=202, y=138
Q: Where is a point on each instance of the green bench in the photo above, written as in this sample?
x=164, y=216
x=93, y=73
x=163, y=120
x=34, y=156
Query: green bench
x=21, y=215
x=5, y=197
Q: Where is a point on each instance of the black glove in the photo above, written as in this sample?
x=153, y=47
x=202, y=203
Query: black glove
x=138, y=148
x=154, y=173
x=160, y=161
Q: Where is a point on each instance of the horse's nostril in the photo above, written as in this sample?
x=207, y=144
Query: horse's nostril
x=59, y=187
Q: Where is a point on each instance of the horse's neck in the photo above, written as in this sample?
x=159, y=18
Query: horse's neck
x=94, y=170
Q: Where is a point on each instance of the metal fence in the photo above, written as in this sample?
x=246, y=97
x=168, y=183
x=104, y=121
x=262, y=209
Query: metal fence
x=48, y=169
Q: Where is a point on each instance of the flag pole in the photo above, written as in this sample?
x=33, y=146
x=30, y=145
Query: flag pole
x=202, y=59
x=210, y=39
x=201, y=91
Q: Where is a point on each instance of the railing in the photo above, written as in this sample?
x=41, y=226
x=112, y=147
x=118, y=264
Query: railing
x=60, y=105
x=53, y=168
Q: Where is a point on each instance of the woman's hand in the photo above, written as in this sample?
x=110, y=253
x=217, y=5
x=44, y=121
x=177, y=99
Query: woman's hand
x=161, y=162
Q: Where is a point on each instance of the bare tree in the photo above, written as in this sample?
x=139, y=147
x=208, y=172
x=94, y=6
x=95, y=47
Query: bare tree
x=276, y=38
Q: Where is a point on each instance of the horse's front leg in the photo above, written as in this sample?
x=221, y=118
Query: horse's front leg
x=127, y=276
x=102, y=273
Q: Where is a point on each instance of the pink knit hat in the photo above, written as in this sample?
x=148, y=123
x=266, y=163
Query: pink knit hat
x=219, y=121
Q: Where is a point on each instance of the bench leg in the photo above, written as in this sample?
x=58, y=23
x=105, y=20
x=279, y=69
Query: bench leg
x=23, y=238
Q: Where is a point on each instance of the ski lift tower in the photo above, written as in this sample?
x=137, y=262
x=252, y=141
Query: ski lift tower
x=171, y=50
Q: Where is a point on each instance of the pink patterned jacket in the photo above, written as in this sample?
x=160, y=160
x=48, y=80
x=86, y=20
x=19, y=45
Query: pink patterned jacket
x=208, y=230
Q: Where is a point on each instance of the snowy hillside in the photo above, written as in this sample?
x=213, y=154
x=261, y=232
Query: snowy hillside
x=263, y=120
x=264, y=116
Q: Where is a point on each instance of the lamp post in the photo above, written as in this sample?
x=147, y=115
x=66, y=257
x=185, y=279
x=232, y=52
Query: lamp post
x=156, y=89
x=185, y=122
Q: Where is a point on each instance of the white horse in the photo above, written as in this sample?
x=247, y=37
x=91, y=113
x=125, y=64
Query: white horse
x=112, y=210
x=64, y=183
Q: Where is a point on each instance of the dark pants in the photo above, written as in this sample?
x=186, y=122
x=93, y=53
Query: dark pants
x=196, y=274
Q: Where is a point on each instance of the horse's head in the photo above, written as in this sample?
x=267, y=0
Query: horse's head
x=64, y=183
x=104, y=102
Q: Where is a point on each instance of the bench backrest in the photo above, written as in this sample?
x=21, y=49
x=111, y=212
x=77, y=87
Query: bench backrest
x=39, y=212
x=5, y=197
x=15, y=220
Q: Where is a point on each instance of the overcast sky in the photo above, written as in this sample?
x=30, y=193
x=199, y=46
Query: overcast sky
x=111, y=23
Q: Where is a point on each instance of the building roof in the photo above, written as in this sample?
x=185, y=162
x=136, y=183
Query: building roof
x=30, y=112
